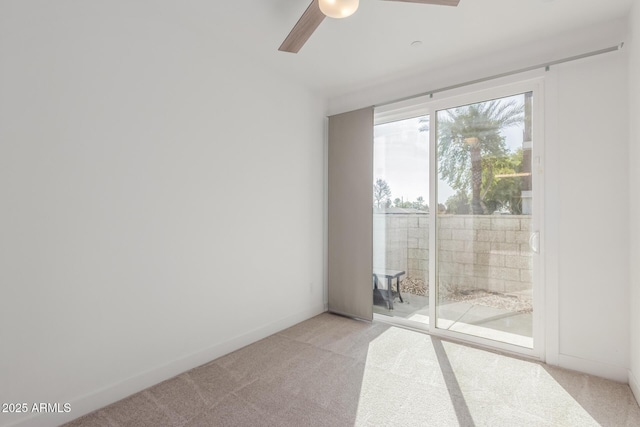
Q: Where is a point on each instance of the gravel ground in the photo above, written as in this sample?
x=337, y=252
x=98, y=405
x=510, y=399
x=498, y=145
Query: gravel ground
x=514, y=303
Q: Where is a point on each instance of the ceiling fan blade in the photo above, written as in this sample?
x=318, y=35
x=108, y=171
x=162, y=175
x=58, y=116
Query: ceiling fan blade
x=438, y=2
x=306, y=25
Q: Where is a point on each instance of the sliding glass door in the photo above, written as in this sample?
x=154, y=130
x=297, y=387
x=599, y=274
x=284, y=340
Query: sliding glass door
x=456, y=224
x=485, y=237
x=401, y=219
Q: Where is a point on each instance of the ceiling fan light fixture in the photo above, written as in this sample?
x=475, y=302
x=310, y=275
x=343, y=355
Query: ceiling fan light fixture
x=338, y=8
x=320, y=9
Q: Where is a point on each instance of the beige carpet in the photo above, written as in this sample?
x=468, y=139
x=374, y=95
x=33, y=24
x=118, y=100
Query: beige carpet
x=333, y=371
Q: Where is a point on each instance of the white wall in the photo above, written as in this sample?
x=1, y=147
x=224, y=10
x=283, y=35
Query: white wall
x=586, y=185
x=596, y=36
x=634, y=166
x=591, y=151
x=161, y=202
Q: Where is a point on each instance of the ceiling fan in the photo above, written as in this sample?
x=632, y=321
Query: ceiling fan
x=318, y=9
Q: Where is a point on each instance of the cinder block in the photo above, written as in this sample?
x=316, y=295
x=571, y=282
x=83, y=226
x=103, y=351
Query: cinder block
x=517, y=236
x=496, y=286
x=463, y=234
x=505, y=248
x=491, y=236
x=412, y=221
x=467, y=282
x=420, y=274
x=493, y=285
x=511, y=286
x=415, y=236
x=397, y=221
x=452, y=221
x=525, y=249
x=526, y=275
x=525, y=222
x=518, y=261
x=505, y=223
x=414, y=232
x=452, y=245
x=445, y=234
x=412, y=243
x=477, y=247
x=491, y=259
x=415, y=265
x=417, y=275
x=447, y=282
x=477, y=223
x=463, y=257
x=477, y=270
x=397, y=233
x=451, y=268
x=423, y=221
x=390, y=256
x=504, y=273
x=418, y=263
x=418, y=254
x=445, y=256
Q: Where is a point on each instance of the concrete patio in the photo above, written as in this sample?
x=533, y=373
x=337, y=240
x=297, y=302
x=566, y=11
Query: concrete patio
x=466, y=317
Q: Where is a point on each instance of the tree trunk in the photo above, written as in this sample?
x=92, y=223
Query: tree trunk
x=476, y=180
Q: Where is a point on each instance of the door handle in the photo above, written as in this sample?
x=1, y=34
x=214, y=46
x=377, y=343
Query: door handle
x=534, y=242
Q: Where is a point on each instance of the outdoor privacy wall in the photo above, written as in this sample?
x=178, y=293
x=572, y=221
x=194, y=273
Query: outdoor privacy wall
x=489, y=252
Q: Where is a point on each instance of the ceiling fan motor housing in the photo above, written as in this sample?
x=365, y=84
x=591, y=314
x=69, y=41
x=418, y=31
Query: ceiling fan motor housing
x=338, y=8
x=319, y=9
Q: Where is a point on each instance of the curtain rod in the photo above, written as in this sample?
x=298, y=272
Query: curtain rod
x=545, y=65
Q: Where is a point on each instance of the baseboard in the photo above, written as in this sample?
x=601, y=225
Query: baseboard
x=634, y=384
x=591, y=367
x=114, y=392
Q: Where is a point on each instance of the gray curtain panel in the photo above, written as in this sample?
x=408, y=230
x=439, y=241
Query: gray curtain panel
x=350, y=216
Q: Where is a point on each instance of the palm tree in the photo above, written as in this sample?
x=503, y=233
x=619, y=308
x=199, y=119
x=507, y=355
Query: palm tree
x=470, y=134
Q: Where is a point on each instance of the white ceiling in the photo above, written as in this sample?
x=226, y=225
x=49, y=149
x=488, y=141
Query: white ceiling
x=374, y=43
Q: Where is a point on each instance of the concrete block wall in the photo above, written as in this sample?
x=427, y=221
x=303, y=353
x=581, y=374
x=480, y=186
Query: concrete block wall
x=391, y=241
x=489, y=252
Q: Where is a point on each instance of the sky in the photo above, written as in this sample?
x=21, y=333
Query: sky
x=401, y=158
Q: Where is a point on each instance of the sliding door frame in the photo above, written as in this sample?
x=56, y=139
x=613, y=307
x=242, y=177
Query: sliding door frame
x=430, y=107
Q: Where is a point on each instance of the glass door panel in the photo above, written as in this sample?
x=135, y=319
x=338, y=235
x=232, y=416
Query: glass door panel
x=484, y=239
x=401, y=219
